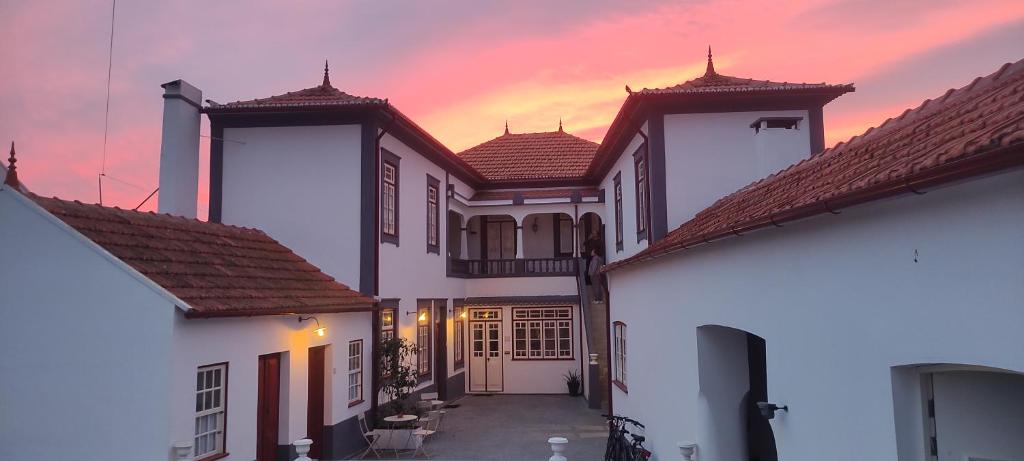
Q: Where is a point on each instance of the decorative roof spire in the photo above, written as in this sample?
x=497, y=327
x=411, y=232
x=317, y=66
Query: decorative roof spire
x=327, y=75
x=711, y=65
x=506, y=126
x=560, y=125
x=12, y=171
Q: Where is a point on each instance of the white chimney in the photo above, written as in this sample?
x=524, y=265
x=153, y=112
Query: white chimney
x=779, y=142
x=179, y=149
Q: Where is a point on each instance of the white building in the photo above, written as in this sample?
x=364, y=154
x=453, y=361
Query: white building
x=479, y=259
x=874, y=289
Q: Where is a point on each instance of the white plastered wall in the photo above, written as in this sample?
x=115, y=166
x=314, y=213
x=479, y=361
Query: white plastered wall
x=301, y=185
x=839, y=300
x=624, y=166
x=86, y=345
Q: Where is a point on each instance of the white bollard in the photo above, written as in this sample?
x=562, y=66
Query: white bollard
x=182, y=451
x=302, y=449
x=557, y=447
x=688, y=450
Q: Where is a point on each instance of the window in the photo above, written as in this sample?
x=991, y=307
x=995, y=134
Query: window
x=433, y=215
x=387, y=324
x=423, y=339
x=618, y=211
x=459, y=335
x=542, y=333
x=211, y=410
x=389, y=196
x=563, y=235
x=355, y=372
x=619, y=351
x=642, y=194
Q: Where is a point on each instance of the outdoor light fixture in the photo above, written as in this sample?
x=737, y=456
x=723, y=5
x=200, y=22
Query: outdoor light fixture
x=535, y=226
x=768, y=409
x=319, y=330
x=422, y=317
x=462, y=315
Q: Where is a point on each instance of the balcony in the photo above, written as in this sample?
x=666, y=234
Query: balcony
x=526, y=267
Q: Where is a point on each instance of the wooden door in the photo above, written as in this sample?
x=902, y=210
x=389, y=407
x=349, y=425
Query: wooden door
x=268, y=406
x=485, y=367
x=315, y=401
x=440, y=318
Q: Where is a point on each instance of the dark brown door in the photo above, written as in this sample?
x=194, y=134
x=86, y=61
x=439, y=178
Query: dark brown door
x=315, y=405
x=441, y=347
x=268, y=405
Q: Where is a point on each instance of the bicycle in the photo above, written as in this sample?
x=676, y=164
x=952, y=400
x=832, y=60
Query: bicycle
x=619, y=448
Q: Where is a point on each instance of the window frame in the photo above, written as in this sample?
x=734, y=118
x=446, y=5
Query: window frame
x=617, y=194
x=459, y=334
x=516, y=320
x=435, y=214
x=619, y=356
x=424, y=372
x=222, y=451
x=642, y=187
x=389, y=159
x=358, y=371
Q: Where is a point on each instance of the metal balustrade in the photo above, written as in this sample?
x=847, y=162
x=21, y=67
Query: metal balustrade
x=526, y=267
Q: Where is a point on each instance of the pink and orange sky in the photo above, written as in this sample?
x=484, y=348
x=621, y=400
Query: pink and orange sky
x=459, y=68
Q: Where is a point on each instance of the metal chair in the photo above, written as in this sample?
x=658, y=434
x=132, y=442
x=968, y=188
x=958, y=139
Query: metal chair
x=429, y=426
x=371, y=436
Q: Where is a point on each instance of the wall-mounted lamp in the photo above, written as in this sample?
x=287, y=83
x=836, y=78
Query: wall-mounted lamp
x=422, y=317
x=768, y=409
x=535, y=227
x=463, y=314
x=319, y=330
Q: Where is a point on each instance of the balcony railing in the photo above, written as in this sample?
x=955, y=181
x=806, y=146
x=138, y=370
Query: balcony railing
x=528, y=267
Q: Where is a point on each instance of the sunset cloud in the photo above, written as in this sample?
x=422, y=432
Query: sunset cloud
x=459, y=68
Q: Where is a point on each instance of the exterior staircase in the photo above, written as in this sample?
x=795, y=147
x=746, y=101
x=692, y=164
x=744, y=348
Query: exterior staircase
x=595, y=316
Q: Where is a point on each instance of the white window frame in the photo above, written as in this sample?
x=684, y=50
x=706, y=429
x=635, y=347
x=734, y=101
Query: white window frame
x=355, y=372
x=211, y=406
x=542, y=333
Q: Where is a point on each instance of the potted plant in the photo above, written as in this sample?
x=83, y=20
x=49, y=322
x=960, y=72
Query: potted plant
x=398, y=379
x=574, y=382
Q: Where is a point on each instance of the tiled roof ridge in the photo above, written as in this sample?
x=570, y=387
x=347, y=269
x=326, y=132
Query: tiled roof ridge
x=878, y=157
x=148, y=214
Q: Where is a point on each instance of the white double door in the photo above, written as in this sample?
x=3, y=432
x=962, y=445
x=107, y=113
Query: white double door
x=485, y=367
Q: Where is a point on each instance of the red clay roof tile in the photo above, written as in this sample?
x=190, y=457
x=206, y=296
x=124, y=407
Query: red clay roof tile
x=525, y=157
x=974, y=130
x=218, y=270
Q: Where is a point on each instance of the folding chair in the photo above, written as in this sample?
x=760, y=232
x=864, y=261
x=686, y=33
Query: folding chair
x=370, y=436
x=428, y=428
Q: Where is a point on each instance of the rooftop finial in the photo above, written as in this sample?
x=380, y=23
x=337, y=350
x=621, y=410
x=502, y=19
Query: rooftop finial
x=711, y=64
x=12, y=171
x=327, y=75
x=560, y=125
x=506, y=126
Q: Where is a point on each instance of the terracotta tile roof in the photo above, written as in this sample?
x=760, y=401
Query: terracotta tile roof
x=713, y=82
x=218, y=270
x=525, y=157
x=967, y=132
x=321, y=96
x=533, y=194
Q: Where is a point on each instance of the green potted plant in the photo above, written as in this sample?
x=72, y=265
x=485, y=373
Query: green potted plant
x=574, y=382
x=397, y=356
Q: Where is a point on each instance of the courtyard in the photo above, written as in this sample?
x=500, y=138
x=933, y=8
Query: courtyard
x=515, y=427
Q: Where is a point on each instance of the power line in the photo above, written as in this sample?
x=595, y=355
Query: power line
x=106, y=112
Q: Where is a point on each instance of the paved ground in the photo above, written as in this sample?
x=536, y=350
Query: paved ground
x=516, y=428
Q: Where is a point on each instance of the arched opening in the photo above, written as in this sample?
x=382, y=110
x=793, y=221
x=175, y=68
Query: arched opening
x=732, y=376
x=590, y=232
x=947, y=412
x=547, y=235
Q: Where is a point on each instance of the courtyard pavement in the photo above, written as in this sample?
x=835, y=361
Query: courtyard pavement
x=516, y=428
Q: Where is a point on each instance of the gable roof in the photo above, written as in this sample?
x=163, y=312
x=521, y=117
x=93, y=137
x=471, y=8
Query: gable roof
x=218, y=270
x=531, y=157
x=967, y=132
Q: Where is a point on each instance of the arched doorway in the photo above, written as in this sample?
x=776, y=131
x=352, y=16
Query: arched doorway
x=732, y=375
x=590, y=234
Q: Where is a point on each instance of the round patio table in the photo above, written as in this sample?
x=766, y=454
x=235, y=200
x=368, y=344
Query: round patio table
x=393, y=421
